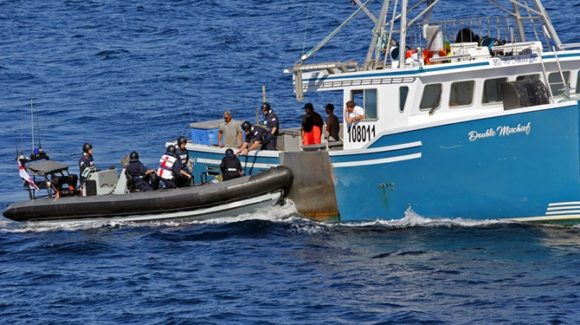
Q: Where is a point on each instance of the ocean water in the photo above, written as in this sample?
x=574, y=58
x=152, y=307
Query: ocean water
x=130, y=75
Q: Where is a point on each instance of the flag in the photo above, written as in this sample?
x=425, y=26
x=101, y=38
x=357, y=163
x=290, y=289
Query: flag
x=24, y=175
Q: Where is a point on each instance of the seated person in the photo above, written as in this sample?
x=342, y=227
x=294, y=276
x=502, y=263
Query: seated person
x=138, y=173
x=230, y=166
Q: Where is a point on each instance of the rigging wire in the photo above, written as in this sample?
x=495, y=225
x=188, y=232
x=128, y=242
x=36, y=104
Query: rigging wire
x=306, y=26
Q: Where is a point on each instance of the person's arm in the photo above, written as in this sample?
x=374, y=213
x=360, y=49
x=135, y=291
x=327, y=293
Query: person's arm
x=220, y=134
x=243, y=149
x=240, y=170
x=275, y=125
x=223, y=167
x=347, y=118
x=241, y=143
x=256, y=144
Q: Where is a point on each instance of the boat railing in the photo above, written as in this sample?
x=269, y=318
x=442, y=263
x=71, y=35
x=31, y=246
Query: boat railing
x=570, y=46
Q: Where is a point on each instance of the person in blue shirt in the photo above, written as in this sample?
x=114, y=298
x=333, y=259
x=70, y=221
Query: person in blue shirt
x=138, y=173
x=256, y=138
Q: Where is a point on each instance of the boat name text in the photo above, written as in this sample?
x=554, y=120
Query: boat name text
x=500, y=131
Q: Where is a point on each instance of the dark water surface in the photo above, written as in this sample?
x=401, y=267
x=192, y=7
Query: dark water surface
x=130, y=75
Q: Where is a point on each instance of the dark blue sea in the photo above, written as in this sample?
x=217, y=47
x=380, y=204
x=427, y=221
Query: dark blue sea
x=131, y=75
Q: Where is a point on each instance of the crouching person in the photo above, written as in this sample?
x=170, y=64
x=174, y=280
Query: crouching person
x=139, y=174
x=230, y=166
x=169, y=167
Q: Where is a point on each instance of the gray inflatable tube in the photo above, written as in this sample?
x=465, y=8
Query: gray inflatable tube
x=153, y=202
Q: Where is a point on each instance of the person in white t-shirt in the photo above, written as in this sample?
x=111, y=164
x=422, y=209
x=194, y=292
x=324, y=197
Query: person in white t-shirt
x=353, y=113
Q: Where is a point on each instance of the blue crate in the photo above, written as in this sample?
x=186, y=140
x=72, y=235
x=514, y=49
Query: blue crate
x=208, y=137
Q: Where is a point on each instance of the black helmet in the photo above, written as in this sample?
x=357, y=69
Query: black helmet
x=134, y=155
x=266, y=106
x=181, y=140
x=308, y=107
x=246, y=126
x=171, y=148
x=87, y=147
x=229, y=152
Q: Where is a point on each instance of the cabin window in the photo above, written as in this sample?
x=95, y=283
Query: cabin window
x=431, y=97
x=461, y=93
x=557, y=86
x=528, y=77
x=578, y=83
x=492, y=91
x=367, y=98
x=403, y=92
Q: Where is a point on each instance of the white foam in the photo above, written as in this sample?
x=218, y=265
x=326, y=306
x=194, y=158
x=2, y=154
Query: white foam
x=281, y=214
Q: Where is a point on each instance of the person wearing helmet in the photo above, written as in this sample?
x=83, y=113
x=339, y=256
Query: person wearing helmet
x=229, y=134
x=138, y=173
x=86, y=162
x=183, y=179
x=272, y=125
x=169, y=167
x=39, y=154
x=230, y=166
x=256, y=138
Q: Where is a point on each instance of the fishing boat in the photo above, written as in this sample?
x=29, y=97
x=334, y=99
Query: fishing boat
x=112, y=201
x=472, y=118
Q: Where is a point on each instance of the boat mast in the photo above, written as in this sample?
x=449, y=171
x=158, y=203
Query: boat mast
x=377, y=34
x=403, y=33
x=518, y=18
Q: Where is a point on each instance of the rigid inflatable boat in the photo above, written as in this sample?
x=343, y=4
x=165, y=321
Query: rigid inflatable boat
x=229, y=198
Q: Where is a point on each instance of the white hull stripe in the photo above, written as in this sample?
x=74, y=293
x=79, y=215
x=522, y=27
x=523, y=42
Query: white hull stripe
x=236, y=207
x=547, y=218
x=564, y=203
x=570, y=207
x=376, y=150
x=335, y=165
x=549, y=213
x=377, y=161
x=248, y=164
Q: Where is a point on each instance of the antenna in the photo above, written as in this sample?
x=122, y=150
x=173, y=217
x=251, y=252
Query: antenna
x=32, y=124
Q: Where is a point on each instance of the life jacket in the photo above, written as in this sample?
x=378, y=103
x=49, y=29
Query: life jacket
x=165, y=169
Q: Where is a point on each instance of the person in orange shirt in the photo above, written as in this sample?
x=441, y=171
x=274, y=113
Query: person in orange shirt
x=312, y=123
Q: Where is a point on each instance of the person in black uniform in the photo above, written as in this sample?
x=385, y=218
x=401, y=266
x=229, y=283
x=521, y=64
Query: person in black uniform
x=272, y=125
x=86, y=161
x=231, y=167
x=39, y=154
x=256, y=138
x=184, y=178
x=139, y=174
